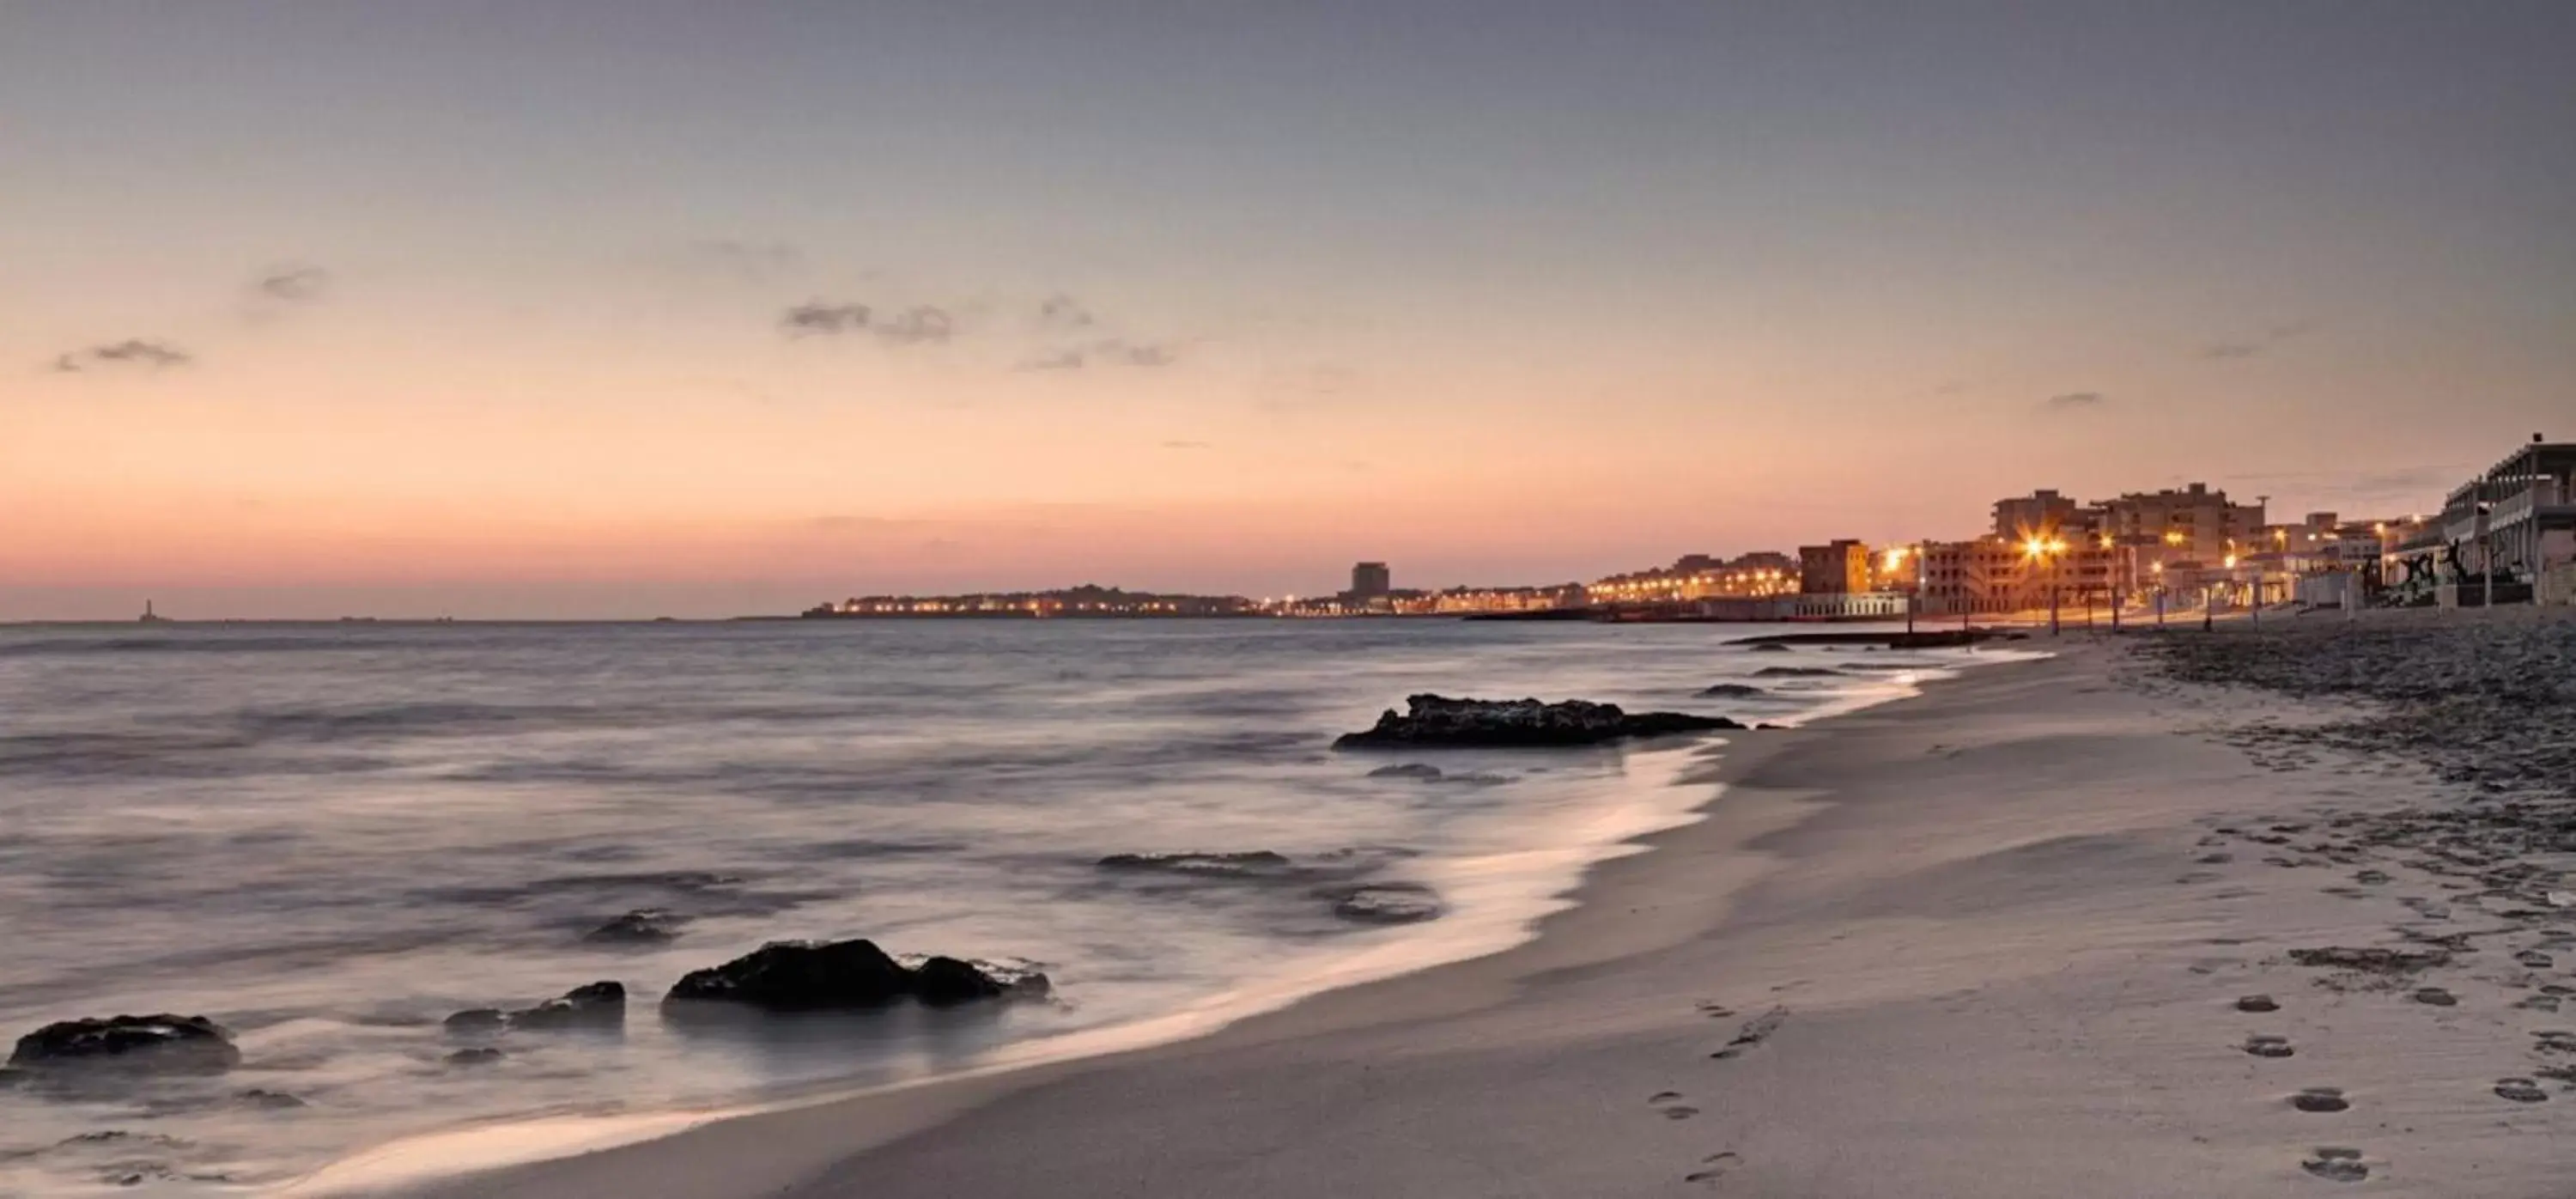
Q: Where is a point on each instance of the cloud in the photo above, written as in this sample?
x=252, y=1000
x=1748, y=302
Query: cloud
x=1108, y=351
x=912, y=326
x=918, y=324
x=1055, y=360
x=134, y=353
x=820, y=319
x=293, y=285
x=1950, y=389
x=1187, y=445
x=755, y=261
x=1064, y=312
x=2075, y=401
x=2238, y=348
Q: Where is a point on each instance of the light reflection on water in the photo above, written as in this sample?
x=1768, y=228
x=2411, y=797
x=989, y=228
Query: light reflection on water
x=329, y=837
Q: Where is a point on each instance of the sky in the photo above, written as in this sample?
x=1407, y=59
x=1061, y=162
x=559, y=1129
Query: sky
x=567, y=308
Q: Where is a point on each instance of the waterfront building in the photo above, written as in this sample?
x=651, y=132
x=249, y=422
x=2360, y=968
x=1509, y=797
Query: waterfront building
x=2194, y=524
x=2510, y=533
x=1370, y=580
x=2043, y=513
x=1838, y=567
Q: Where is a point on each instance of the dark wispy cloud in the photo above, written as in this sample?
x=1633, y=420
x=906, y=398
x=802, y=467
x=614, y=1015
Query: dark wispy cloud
x=133, y=353
x=2075, y=401
x=813, y=319
x=1107, y=351
x=1061, y=311
x=915, y=325
x=2236, y=348
x=912, y=326
x=293, y=285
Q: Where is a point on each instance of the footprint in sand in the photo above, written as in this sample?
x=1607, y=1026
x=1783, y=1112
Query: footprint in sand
x=1717, y=1164
x=2336, y=1164
x=2520, y=1090
x=2320, y=1099
x=1714, y=1010
x=1754, y=1032
x=2268, y=1046
x=2258, y=1003
x=1669, y=1103
x=2436, y=996
x=2535, y=959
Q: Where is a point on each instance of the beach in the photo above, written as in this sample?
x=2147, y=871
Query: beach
x=2076, y=926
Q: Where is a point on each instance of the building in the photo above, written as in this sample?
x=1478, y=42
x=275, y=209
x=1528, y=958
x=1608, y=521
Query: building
x=1839, y=567
x=2511, y=532
x=1994, y=575
x=2192, y=524
x=1370, y=580
x=1700, y=577
x=2042, y=514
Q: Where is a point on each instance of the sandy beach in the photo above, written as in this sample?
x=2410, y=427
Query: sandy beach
x=2108, y=924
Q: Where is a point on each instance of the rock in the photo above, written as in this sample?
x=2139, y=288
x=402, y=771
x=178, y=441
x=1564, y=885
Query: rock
x=2372, y=961
x=643, y=926
x=793, y=976
x=2258, y=1003
x=176, y=1044
x=946, y=982
x=1253, y=864
x=1434, y=720
x=274, y=1100
x=1732, y=691
x=1408, y=770
x=1796, y=672
x=481, y=1055
x=1770, y=647
x=1387, y=903
x=481, y=1021
x=598, y=1005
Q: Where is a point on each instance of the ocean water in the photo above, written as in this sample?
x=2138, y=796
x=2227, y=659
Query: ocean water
x=330, y=837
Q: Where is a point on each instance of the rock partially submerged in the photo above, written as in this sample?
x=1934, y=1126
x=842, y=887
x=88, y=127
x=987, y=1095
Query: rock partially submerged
x=2371, y=960
x=596, y=1005
x=1733, y=691
x=1435, y=720
x=161, y=1043
x=1259, y=863
x=643, y=926
x=1796, y=672
x=1387, y=903
x=807, y=976
x=1407, y=770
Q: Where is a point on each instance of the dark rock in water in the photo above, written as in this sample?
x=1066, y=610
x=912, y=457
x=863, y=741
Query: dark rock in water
x=1733, y=691
x=1253, y=864
x=598, y=1005
x=276, y=1100
x=1409, y=770
x=479, y=1021
x=794, y=976
x=1796, y=672
x=947, y=982
x=1771, y=647
x=1387, y=903
x=176, y=1044
x=2373, y=961
x=481, y=1055
x=643, y=926
x=1434, y=720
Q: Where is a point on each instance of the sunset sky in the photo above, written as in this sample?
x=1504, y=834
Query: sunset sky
x=545, y=308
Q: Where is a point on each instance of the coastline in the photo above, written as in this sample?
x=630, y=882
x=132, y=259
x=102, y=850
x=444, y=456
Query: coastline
x=1989, y=940
x=661, y=1153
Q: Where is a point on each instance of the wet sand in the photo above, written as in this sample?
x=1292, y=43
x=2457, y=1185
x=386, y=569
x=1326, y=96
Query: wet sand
x=2046, y=930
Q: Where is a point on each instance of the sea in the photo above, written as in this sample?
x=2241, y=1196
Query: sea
x=330, y=837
